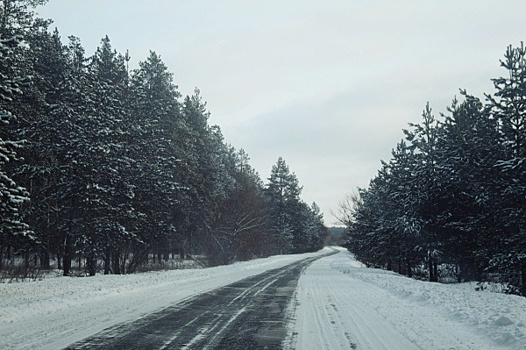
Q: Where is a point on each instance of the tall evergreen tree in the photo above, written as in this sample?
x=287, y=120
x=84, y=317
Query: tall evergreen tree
x=203, y=173
x=11, y=195
x=16, y=20
x=48, y=62
x=283, y=191
x=508, y=107
x=466, y=158
x=424, y=138
x=154, y=112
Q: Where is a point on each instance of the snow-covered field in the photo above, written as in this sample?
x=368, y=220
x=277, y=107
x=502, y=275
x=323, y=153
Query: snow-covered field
x=342, y=305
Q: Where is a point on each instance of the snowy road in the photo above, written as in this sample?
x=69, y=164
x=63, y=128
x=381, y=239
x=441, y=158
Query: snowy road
x=340, y=304
x=249, y=314
x=337, y=304
x=54, y=313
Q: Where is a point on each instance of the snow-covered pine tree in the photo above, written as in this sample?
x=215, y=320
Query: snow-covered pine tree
x=360, y=214
x=424, y=137
x=154, y=113
x=11, y=195
x=315, y=230
x=17, y=24
x=17, y=17
x=204, y=174
x=48, y=61
x=283, y=191
x=466, y=155
x=70, y=145
x=109, y=212
x=400, y=197
x=508, y=106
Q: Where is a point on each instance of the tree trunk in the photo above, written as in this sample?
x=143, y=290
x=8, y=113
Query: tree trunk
x=182, y=254
x=523, y=280
x=107, y=261
x=91, y=264
x=45, y=259
x=59, y=258
x=67, y=255
x=26, y=260
x=1, y=251
x=430, y=267
x=116, y=262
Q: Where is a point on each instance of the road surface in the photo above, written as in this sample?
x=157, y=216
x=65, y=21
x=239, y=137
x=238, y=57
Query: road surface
x=249, y=314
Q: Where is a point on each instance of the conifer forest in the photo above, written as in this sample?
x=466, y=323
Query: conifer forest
x=451, y=201
x=106, y=169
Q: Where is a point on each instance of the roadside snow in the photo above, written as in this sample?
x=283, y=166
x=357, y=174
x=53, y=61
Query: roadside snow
x=342, y=305
x=56, y=312
x=339, y=305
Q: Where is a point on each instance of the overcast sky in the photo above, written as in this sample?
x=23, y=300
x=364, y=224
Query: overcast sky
x=326, y=84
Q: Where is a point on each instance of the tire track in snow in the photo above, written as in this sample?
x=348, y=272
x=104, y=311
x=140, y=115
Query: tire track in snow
x=336, y=309
x=332, y=319
x=249, y=314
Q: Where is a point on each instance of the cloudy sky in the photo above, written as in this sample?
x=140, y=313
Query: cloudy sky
x=326, y=84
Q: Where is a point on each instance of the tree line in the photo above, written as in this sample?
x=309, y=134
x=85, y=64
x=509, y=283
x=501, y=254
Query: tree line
x=113, y=167
x=453, y=194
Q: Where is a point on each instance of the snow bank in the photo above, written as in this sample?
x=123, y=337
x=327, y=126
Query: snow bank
x=360, y=307
x=55, y=312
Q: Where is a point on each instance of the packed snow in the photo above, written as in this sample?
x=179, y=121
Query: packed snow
x=56, y=312
x=339, y=304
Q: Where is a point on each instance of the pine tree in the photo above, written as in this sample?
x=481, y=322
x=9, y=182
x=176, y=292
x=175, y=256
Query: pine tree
x=17, y=23
x=467, y=152
x=508, y=107
x=16, y=17
x=401, y=198
x=283, y=191
x=107, y=193
x=48, y=61
x=11, y=195
x=71, y=147
x=154, y=112
x=424, y=138
x=204, y=174
x=315, y=230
